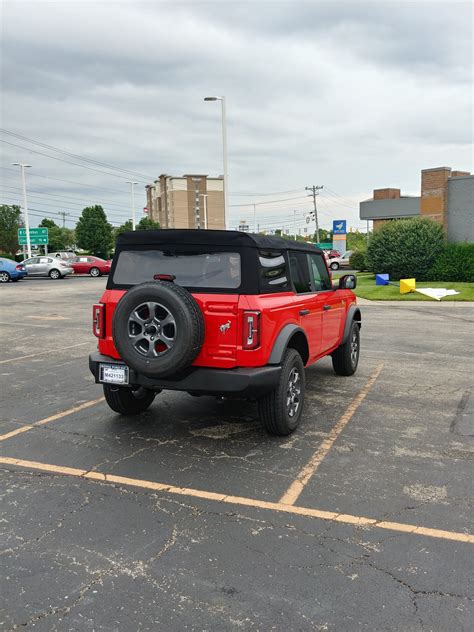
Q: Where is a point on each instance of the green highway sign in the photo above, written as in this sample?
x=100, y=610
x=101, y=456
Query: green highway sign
x=37, y=236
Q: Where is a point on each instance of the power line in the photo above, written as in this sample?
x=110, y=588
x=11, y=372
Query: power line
x=34, y=151
x=83, y=184
x=71, y=155
x=65, y=197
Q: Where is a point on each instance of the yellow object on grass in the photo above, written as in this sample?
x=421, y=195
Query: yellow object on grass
x=407, y=286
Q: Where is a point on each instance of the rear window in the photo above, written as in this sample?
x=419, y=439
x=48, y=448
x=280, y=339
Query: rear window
x=195, y=269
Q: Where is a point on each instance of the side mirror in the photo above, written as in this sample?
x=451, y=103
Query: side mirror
x=348, y=282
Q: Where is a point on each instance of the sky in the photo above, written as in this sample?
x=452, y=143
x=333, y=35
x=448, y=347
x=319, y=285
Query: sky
x=350, y=96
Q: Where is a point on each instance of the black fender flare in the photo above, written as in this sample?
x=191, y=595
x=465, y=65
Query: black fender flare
x=281, y=343
x=353, y=313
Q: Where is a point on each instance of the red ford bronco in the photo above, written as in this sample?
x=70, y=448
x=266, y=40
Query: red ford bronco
x=225, y=313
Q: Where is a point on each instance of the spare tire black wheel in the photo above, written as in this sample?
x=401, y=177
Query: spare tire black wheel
x=158, y=328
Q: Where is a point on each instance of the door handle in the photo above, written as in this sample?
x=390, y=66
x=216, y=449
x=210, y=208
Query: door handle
x=304, y=312
x=326, y=307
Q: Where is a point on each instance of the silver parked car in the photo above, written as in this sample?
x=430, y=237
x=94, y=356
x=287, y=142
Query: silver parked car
x=43, y=266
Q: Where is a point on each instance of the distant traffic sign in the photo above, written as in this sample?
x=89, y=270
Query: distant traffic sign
x=38, y=236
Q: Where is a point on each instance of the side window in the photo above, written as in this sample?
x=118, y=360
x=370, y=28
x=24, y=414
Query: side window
x=300, y=272
x=33, y=260
x=319, y=273
x=273, y=271
x=45, y=260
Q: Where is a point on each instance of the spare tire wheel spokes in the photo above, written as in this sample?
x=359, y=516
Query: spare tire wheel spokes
x=158, y=328
x=151, y=329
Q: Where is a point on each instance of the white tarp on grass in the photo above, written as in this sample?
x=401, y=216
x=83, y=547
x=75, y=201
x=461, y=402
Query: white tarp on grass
x=436, y=292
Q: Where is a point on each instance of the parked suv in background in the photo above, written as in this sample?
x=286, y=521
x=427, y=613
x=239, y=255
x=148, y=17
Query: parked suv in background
x=220, y=313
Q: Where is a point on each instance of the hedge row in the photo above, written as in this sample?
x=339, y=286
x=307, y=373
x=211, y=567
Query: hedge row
x=416, y=248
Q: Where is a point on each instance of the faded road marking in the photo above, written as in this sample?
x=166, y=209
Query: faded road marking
x=42, y=422
x=33, y=355
x=358, y=521
x=294, y=490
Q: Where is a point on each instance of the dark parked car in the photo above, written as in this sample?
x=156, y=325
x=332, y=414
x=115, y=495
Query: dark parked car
x=11, y=270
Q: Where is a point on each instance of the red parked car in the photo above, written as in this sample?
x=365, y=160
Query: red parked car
x=225, y=313
x=91, y=265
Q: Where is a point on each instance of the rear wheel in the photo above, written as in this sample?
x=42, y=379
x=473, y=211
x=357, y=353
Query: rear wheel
x=94, y=272
x=4, y=277
x=346, y=357
x=128, y=401
x=54, y=274
x=281, y=410
x=334, y=266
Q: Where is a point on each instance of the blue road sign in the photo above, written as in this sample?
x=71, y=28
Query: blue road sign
x=339, y=227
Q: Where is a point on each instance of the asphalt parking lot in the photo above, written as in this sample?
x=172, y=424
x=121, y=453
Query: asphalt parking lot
x=190, y=517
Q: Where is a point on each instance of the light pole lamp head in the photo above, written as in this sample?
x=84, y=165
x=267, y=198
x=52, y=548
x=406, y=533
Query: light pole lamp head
x=213, y=98
x=20, y=164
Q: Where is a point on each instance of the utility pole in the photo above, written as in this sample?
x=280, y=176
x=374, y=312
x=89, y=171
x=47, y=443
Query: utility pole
x=294, y=224
x=23, y=166
x=254, y=218
x=63, y=215
x=313, y=190
x=132, y=191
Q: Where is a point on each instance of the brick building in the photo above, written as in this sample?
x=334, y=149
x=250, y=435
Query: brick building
x=189, y=201
x=446, y=196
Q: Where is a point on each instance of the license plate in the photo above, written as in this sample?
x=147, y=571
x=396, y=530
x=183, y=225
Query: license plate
x=113, y=374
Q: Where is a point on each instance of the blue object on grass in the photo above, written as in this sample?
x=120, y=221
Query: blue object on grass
x=382, y=279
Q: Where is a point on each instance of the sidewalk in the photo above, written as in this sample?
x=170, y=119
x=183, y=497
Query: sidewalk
x=446, y=304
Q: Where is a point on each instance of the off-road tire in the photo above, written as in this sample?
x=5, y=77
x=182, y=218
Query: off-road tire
x=127, y=401
x=273, y=408
x=94, y=272
x=346, y=357
x=189, y=324
x=54, y=274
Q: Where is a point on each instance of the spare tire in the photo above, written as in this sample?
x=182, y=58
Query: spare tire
x=158, y=328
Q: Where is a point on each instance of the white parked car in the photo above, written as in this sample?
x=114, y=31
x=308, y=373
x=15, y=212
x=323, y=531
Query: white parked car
x=341, y=262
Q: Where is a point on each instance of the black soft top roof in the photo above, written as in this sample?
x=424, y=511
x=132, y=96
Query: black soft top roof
x=224, y=238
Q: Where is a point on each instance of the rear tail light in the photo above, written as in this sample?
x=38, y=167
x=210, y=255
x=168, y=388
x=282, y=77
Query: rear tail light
x=19, y=267
x=251, y=330
x=63, y=264
x=98, y=320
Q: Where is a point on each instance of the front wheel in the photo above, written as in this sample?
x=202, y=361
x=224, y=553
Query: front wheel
x=346, y=357
x=54, y=274
x=281, y=410
x=127, y=401
x=94, y=272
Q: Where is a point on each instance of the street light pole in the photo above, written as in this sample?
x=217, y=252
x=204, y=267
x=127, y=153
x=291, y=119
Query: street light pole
x=25, y=205
x=254, y=218
x=224, y=153
x=132, y=184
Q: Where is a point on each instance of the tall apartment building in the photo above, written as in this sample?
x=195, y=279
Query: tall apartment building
x=189, y=201
x=447, y=196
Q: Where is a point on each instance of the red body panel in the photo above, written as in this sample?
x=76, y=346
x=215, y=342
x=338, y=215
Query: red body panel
x=223, y=316
x=84, y=267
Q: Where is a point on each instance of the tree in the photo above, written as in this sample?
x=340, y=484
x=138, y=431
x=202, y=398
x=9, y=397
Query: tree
x=147, y=224
x=59, y=238
x=9, y=225
x=406, y=248
x=125, y=227
x=93, y=232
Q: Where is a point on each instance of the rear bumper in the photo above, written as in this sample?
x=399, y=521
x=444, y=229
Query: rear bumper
x=240, y=382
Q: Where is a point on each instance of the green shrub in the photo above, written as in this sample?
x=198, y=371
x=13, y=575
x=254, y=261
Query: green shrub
x=454, y=263
x=357, y=260
x=406, y=248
